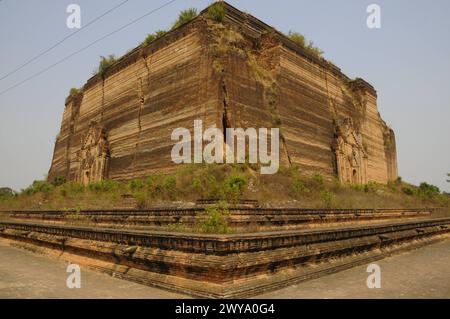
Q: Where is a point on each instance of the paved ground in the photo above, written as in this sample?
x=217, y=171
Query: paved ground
x=24, y=274
x=422, y=273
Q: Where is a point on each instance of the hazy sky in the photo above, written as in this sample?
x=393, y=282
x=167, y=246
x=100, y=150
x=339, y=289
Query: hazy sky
x=407, y=60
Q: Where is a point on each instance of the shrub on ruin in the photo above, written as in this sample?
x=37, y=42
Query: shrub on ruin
x=184, y=17
x=212, y=187
x=392, y=186
x=234, y=186
x=71, y=189
x=59, y=180
x=105, y=63
x=311, y=48
x=154, y=36
x=308, y=46
x=136, y=185
x=141, y=199
x=215, y=220
x=408, y=190
x=297, y=38
x=104, y=186
x=299, y=187
x=74, y=91
x=372, y=187
x=217, y=11
x=170, y=187
x=196, y=184
x=318, y=180
x=328, y=198
x=154, y=186
x=6, y=192
x=428, y=190
x=38, y=187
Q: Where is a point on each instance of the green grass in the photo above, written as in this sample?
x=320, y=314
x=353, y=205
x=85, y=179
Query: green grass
x=215, y=220
x=308, y=46
x=74, y=91
x=105, y=63
x=154, y=36
x=289, y=187
x=184, y=17
x=217, y=12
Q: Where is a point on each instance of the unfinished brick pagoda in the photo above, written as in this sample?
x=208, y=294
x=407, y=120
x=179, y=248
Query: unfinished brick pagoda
x=236, y=73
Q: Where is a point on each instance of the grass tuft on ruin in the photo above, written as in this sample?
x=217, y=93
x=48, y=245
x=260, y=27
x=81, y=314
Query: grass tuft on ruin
x=105, y=63
x=308, y=46
x=185, y=16
x=217, y=11
x=154, y=36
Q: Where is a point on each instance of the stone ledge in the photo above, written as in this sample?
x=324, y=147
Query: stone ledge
x=222, y=266
x=240, y=218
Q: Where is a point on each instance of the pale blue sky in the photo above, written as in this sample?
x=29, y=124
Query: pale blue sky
x=407, y=60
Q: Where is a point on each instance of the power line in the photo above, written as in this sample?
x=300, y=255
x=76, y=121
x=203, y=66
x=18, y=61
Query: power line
x=86, y=47
x=62, y=40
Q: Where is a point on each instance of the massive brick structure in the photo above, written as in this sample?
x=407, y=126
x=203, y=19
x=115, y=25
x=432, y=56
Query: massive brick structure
x=236, y=73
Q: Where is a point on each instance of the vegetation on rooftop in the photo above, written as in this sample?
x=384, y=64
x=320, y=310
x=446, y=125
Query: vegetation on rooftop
x=184, y=17
x=214, y=220
x=308, y=46
x=217, y=11
x=154, y=36
x=74, y=91
x=105, y=63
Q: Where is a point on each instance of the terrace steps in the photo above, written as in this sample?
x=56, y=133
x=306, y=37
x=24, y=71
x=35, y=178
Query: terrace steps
x=241, y=264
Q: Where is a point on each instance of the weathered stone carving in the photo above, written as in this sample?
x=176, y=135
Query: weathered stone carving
x=93, y=156
x=351, y=159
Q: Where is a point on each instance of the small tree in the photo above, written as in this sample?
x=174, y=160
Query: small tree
x=6, y=192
